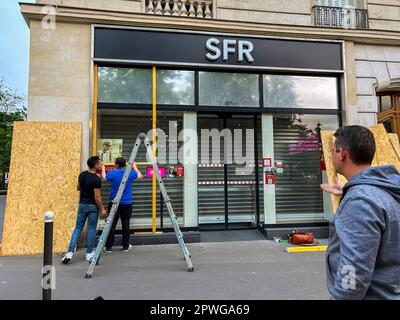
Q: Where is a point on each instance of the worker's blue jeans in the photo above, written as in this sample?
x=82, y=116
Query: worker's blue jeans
x=91, y=213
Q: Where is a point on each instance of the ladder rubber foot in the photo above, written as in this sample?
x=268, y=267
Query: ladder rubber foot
x=88, y=276
x=191, y=269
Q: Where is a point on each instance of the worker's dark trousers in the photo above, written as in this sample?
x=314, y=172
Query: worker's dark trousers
x=124, y=213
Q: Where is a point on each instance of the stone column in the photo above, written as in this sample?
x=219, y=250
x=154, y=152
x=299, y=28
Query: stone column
x=267, y=125
x=349, y=84
x=190, y=159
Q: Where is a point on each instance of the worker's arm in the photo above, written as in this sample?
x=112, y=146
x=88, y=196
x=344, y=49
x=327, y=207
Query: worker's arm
x=334, y=188
x=103, y=174
x=135, y=168
x=99, y=202
x=78, y=187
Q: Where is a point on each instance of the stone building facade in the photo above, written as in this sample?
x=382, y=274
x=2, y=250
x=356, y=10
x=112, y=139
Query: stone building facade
x=63, y=66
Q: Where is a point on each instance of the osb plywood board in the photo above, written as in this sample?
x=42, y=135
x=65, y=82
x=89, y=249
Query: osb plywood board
x=394, y=139
x=327, y=147
x=45, y=164
x=386, y=154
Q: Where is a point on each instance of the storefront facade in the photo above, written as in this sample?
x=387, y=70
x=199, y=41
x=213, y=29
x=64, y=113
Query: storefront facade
x=280, y=91
x=276, y=89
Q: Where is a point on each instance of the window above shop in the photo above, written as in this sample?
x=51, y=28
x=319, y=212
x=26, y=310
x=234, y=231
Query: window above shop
x=281, y=91
x=134, y=86
x=125, y=85
x=187, y=89
x=229, y=89
x=175, y=87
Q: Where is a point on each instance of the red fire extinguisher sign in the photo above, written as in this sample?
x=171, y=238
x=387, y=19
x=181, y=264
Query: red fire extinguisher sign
x=269, y=179
x=267, y=162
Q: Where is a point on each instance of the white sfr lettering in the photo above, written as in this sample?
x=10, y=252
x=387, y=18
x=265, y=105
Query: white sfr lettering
x=244, y=49
x=212, y=46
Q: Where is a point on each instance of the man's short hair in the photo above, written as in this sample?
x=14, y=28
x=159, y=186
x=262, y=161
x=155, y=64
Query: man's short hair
x=358, y=141
x=92, y=161
x=120, y=162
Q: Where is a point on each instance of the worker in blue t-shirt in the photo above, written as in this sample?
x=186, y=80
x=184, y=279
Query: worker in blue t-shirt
x=125, y=206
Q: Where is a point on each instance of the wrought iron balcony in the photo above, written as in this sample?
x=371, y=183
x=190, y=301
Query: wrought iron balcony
x=337, y=17
x=187, y=8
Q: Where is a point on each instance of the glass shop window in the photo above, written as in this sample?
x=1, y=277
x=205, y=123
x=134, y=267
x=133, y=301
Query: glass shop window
x=281, y=91
x=229, y=89
x=125, y=85
x=175, y=87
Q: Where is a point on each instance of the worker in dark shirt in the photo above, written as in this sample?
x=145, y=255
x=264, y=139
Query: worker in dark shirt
x=124, y=211
x=90, y=204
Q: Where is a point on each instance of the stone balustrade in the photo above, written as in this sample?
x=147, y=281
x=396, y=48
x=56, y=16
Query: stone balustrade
x=186, y=8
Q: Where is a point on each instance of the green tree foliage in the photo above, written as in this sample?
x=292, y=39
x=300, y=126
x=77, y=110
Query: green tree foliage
x=11, y=109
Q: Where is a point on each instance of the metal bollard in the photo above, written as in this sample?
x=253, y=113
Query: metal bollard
x=47, y=271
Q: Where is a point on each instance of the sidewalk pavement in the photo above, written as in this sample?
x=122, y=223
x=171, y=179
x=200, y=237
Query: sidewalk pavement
x=223, y=270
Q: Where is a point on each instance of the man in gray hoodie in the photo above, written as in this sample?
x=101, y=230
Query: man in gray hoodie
x=363, y=257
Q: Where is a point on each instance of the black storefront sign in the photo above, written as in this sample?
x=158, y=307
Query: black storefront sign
x=146, y=46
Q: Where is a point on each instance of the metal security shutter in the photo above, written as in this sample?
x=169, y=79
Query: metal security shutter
x=298, y=192
x=242, y=193
x=128, y=128
x=211, y=198
x=260, y=168
x=241, y=188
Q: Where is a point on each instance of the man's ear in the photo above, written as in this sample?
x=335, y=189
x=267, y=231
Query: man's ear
x=344, y=154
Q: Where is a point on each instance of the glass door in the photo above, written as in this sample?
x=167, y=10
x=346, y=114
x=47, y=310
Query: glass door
x=228, y=189
x=241, y=177
x=211, y=191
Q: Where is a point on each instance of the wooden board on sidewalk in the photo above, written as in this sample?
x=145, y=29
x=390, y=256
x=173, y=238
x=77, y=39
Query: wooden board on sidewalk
x=45, y=164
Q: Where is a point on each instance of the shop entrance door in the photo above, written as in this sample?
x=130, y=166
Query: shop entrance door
x=229, y=184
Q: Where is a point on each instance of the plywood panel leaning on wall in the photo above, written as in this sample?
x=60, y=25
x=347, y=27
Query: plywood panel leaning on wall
x=386, y=154
x=385, y=150
x=394, y=139
x=45, y=164
x=327, y=147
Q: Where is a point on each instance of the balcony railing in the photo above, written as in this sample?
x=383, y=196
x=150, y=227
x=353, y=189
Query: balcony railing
x=186, y=8
x=336, y=17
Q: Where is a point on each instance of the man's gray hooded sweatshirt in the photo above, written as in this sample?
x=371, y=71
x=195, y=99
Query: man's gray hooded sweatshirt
x=365, y=238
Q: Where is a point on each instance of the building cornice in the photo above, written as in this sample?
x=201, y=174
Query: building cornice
x=93, y=16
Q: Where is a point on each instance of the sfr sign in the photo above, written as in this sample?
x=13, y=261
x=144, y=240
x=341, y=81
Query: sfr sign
x=241, y=48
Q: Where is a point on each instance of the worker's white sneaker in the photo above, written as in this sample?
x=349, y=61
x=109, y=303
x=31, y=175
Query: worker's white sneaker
x=107, y=250
x=89, y=256
x=67, y=258
x=126, y=249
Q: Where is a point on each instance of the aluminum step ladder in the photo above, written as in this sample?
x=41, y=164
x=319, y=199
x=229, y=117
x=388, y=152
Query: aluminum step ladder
x=116, y=201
